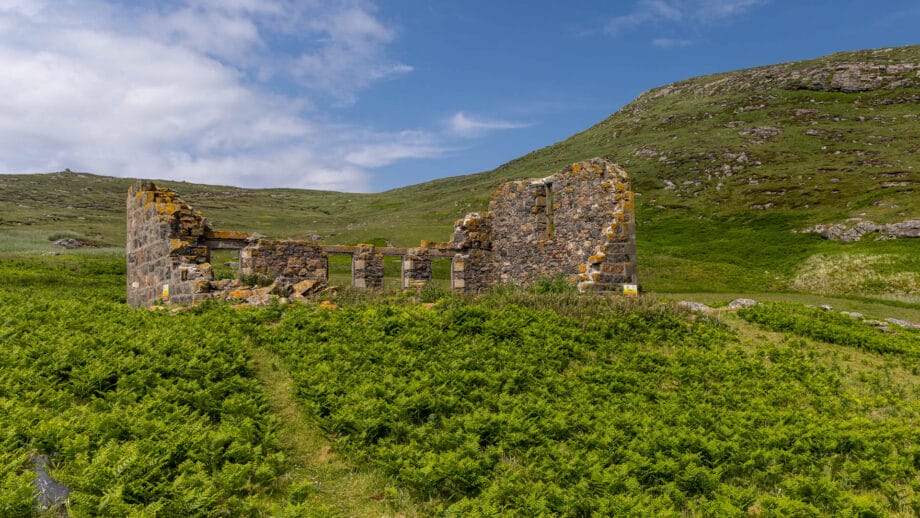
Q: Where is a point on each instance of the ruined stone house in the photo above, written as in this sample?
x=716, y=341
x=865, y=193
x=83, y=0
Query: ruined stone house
x=578, y=224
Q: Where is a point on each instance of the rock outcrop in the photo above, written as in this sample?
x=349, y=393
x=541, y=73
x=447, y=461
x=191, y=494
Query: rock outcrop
x=856, y=229
x=850, y=75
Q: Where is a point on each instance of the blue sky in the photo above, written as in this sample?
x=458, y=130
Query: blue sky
x=358, y=95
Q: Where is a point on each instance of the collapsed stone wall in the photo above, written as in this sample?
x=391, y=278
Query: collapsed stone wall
x=166, y=256
x=578, y=224
x=290, y=261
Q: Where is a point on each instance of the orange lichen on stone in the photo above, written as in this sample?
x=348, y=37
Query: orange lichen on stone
x=167, y=208
x=177, y=244
x=225, y=234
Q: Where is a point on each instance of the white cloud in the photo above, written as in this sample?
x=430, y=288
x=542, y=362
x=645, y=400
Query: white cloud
x=686, y=13
x=646, y=11
x=181, y=91
x=350, y=57
x=393, y=148
x=225, y=34
x=463, y=125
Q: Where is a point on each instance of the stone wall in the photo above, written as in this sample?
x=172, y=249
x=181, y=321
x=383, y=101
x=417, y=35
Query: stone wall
x=289, y=261
x=473, y=267
x=166, y=255
x=577, y=224
x=367, y=268
x=416, y=268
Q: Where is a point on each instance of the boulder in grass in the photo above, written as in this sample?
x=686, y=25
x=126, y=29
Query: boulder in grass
x=741, y=303
x=903, y=323
x=307, y=287
x=70, y=243
x=50, y=495
x=694, y=306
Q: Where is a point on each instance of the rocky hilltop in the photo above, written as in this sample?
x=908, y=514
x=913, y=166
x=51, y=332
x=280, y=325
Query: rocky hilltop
x=847, y=72
x=830, y=139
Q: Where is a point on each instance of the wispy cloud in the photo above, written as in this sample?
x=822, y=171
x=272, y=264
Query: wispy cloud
x=470, y=126
x=670, y=43
x=691, y=14
x=646, y=11
x=349, y=57
x=183, y=90
x=710, y=11
x=345, y=43
x=383, y=150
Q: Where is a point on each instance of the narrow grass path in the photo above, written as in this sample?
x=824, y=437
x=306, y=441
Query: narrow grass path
x=332, y=486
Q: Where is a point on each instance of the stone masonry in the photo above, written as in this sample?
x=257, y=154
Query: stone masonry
x=166, y=255
x=367, y=267
x=416, y=268
x=290, y=261
x=577, y=224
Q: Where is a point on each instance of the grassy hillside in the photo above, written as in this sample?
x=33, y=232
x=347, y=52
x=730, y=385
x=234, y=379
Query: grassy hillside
x=726, y=166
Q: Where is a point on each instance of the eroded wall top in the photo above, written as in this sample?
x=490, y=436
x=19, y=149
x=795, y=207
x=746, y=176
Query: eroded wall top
x=578, y=224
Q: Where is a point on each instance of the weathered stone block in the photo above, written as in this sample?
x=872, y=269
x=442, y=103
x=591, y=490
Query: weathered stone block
x=613, y=268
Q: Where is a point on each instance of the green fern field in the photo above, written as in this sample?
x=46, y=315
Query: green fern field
x=522, y=403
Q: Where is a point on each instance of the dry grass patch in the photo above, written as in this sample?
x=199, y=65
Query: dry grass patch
x=866, y=274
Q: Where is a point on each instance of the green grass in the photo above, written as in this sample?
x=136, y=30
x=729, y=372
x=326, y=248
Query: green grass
x=329, y=485
x=153, y=413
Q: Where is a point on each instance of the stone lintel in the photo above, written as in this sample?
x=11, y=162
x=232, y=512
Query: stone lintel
x=390, y=251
